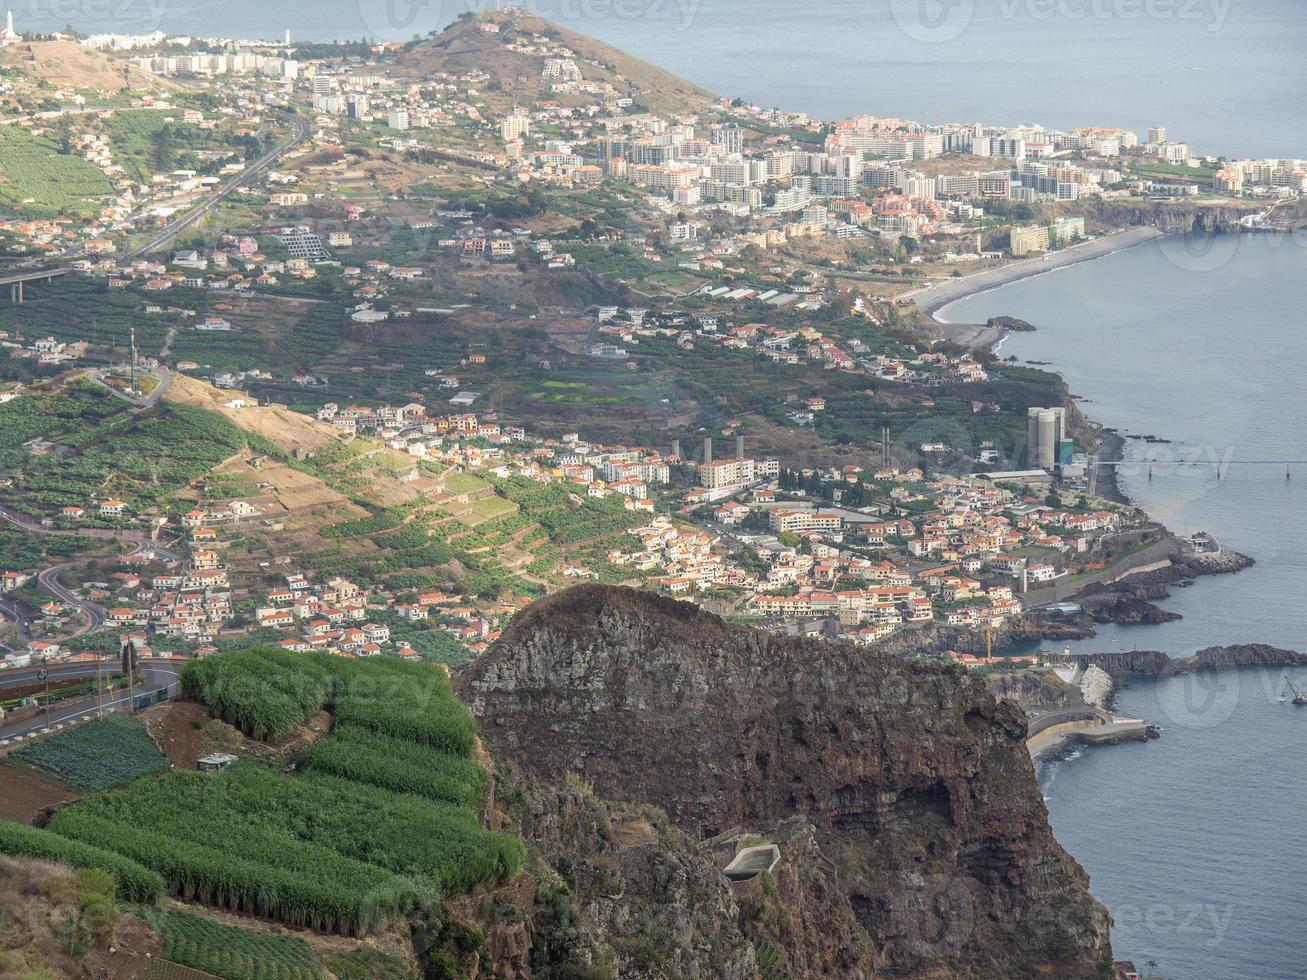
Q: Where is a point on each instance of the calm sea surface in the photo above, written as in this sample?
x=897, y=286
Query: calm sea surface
x=1194, y=841
x=1228, y=76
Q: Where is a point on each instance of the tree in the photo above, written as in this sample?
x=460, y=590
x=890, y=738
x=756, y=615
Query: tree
x=165, y=152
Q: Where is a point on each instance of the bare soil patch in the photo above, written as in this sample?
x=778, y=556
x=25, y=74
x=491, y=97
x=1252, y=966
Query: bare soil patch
x=26, y=793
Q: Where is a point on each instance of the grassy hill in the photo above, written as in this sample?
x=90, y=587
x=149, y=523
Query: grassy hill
x=463, y=46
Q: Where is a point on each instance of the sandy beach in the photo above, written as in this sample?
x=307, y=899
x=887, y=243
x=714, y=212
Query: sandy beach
x=930, y=299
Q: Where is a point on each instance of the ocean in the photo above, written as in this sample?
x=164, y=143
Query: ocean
x=1225, y=75
x=1192, y=840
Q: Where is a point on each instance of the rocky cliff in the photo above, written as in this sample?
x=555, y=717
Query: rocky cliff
x=1174, y=218
x=1155, y=663
x=929, y=852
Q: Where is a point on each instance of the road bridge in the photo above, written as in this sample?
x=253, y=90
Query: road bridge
x=15, y=280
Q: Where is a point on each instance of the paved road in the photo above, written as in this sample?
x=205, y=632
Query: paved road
x=13, y=611
x=143, y=541
x=164, y=377
x=299, y=133
x=19, y=676
x=47, y=580
x=155, y=675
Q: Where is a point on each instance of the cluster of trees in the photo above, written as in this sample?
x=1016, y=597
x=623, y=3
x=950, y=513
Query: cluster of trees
x=855, y=494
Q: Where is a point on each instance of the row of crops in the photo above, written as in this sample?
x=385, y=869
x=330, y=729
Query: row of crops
x=384, y=816
x=228, y=951
x=98, y=754
x=134, y=881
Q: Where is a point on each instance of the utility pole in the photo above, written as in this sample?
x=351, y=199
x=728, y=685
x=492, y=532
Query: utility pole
x=133, y=337
x=99, y=686
x=129, y=667
x=45, y=676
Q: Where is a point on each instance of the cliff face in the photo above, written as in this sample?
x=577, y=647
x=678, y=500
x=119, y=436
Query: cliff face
x=1155, y=663
x=916, y=783
x=1174, y=218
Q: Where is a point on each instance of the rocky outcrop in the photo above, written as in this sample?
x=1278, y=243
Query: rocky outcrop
x=916, y=782
x=1034, y=691
x=610, y=889
x=1012, y=323
x=1173, y=218
x=1155, y=663
x=1125, y=607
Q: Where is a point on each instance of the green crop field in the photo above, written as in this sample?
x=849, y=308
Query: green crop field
x=229, y=951
x=383, y=818
x=461, y=483
x=397, y=764
x=493, y=507
x=135, y=882
x=39, y=180
x=98, y=754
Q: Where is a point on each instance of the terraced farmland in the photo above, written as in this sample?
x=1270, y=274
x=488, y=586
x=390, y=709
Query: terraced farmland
x=385, y=818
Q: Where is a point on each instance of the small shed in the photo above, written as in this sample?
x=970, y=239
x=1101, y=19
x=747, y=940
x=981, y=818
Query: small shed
x=215, y=762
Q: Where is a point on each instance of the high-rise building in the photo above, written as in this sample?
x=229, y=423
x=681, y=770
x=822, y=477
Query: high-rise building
x=730, y=138
x=1156, y=134
x=516, y=125
x=1045, y=432
x=1028, y=240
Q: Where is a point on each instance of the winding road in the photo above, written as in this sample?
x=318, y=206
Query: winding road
x=156, y=675
x=300, y=131
x=47, y=580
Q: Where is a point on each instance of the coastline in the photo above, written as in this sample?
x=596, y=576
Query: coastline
x=931, y=299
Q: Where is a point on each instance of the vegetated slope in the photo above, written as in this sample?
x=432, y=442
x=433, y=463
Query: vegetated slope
x=463, y=46
x=55, y=922
x=283, y=428
x=101, y=447
x=916, y=782
x=397, y=828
